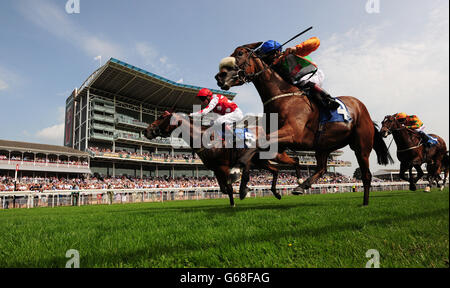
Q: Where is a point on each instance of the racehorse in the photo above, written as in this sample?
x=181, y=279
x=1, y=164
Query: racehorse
x=445, y=168
x=220, y=160
x=411, y=152
x=298, y=117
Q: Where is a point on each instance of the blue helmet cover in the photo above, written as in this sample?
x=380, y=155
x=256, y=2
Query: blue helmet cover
x=270, y=46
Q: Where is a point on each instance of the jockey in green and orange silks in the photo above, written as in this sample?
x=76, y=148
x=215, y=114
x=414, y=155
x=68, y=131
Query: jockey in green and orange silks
x=296, y=66
x=410, y=121
x=413, y=122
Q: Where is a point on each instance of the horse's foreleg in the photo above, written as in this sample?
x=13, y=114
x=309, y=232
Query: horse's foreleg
x=412, y=184
x=284, y=158
x=224, y=180
x=403, y=167
x=243, y=190
x=432, y=174
x=265, y=164
x=445, y=179
x=419, y=173
x=438, y=172
x=273, y=188
x=321, y=168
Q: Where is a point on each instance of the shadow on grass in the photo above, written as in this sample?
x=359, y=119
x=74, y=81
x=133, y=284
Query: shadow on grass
x=219, y=208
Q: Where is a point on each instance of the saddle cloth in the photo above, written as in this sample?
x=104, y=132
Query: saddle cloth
x=244, y=138
x=341, y=114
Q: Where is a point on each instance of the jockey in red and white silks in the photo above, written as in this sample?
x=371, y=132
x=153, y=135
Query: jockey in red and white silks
x=228, y=112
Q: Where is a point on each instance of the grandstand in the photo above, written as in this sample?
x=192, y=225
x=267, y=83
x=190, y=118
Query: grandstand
x=105, y=117
x=40, y=160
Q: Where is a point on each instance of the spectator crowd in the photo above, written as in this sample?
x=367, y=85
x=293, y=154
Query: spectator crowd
x=53, y=183
x=158, y=156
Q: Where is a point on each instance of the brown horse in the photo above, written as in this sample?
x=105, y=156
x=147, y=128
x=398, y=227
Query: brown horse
x=220, y=160
x=445, y=168
x=299, y=117
x=411, y=152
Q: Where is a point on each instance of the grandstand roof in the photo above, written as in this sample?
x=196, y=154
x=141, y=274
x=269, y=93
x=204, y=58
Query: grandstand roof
x=137, y=86
x=40, y=148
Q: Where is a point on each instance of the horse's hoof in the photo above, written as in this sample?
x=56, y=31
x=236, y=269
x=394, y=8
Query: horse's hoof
x=427, y=189
x=298, y=191
x=412, y=187
x=242, y=195
x=442, y=188
x=278, y=196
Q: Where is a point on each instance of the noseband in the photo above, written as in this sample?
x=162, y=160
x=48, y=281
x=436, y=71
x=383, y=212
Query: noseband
x=241, y=75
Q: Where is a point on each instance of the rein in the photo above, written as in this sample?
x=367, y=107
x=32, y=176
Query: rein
x=410, y=148
x=413, y=133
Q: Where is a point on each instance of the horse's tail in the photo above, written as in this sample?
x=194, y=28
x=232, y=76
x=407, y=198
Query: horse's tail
x=383, y=155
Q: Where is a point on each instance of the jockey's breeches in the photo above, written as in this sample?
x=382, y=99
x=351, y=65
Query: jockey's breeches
x=317, y=78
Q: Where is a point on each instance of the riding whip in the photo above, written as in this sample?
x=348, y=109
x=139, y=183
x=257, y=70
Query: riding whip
x=296, y=36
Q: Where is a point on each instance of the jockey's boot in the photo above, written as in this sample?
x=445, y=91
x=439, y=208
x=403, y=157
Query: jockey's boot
x=321, y=96
x=426, y=139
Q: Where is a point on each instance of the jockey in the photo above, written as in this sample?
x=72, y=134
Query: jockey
x=413, y=122
x=228, y=112
x=295, y=66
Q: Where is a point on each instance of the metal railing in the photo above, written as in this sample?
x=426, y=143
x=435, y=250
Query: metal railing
x=32, y=199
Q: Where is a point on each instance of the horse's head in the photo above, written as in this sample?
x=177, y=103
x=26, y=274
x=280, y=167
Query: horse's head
x=160, y=127
x=239, y=68
x=389, y=124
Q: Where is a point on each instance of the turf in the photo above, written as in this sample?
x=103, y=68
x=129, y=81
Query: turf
x=409, y=229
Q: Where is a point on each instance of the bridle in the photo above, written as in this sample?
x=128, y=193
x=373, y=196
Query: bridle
x=241, y=73
x=390, y=130
x=243, y=77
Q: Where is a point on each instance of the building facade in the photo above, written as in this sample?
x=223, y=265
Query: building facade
x=40, y=160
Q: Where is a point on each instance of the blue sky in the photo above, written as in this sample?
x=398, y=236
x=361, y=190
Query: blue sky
x=394, y=60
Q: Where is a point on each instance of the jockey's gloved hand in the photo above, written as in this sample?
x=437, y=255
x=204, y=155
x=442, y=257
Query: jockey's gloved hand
x=292, y=50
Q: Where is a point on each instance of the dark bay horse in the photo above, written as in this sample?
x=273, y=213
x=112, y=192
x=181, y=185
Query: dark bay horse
x=298, y=117
x=445, y=168
x=411, y=152
x=220, y=160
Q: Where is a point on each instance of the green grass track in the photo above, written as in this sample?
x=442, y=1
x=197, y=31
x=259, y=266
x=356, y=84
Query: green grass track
x=409, y=229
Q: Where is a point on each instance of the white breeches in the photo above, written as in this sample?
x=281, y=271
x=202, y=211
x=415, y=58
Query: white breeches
x=421, y=129
x=230, y=118
x=317, y=78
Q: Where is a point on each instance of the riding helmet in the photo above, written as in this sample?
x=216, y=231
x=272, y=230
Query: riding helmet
x=401, y=115
x=270, y=46
x=205, y=92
